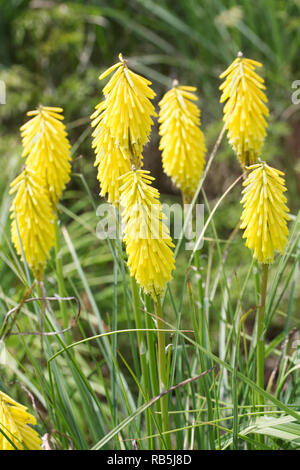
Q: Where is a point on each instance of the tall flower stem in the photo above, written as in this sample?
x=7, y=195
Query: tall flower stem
x=162, y=371
x=260, y=344
x=151, y=342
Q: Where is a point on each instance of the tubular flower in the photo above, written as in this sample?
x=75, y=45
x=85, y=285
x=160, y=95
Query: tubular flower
x=47, y=149
x=127, y=109
x=32, y=221
x=245, y=109
x=112, y=162
x=182, y=141
x=15, y=423
x=265, y=212
x=147, y=239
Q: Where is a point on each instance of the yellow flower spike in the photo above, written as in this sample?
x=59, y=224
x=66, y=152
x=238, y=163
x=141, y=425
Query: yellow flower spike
x=47, y=149
x=15, y=423
x=265, y=212
x=182, y=141
x=147, y=239
x=127, y=110
x=245, y=109
x=112, y=162
x=32, y=221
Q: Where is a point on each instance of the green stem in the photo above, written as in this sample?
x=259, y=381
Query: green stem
x=260, y=346
x=60, y=276
x=142, y=355
x=162, y=372
x=151, y=341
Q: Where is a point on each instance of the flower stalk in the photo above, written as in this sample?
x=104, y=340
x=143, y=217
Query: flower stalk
x=245, y=109
x=142, y=355
x=16, y=431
